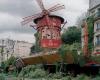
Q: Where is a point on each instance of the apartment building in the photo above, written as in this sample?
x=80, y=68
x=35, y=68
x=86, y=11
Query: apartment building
x=22, y=48
x=94, y=9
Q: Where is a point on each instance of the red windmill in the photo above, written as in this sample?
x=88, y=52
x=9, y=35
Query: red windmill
x=48, y=26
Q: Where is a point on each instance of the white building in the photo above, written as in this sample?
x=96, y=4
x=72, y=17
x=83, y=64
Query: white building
x=94, y=9
x=14, y=48
x=22, y=49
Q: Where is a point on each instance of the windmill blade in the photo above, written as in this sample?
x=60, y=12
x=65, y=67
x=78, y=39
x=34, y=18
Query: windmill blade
x=32, y=16
x=64, y=24
x=29, y=19
x=40, y=4
x=26, y=21
x=57, y=8
x=53, y=7
x=34, y=26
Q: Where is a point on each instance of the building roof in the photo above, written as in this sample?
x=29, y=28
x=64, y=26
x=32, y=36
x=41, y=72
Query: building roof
x=37, y=19
x=93, y=4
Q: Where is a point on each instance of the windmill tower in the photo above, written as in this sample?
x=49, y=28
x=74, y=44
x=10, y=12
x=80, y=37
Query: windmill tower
x=48, y=26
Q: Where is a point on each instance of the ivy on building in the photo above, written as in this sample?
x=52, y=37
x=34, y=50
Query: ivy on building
x=90, y=22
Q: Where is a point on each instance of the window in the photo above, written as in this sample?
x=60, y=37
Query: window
x=98, y=50
x=98, y=40
x=99, y=10
x=98, y=26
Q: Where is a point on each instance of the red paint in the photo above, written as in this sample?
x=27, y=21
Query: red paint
x=85, y=47
x=50, y=43
x=49, y=29
x=97, y=53
x=91, y=63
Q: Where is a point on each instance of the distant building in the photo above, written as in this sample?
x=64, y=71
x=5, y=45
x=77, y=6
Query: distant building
x=94, y=9
x=14, y=48
x=8, y=48
x=22, y=49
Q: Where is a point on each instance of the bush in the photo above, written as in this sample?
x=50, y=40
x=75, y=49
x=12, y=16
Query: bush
x=2, y=77
x=24, y=72
x=32, y=71
x=57, y=76
x=38, y=73
x=96, y=78
x=10, y=61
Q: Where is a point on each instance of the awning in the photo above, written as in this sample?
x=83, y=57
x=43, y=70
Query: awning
x=97, y=53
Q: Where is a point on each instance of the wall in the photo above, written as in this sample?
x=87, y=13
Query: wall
x=22, y=49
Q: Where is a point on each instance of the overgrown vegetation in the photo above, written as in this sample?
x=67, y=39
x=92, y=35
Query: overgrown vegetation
x=37, y=72
x=10, y=61
x=71, y=35
x=36, y=47
x=90, y=22
x=32, y=71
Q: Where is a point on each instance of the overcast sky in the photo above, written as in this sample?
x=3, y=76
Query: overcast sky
x=12, y=12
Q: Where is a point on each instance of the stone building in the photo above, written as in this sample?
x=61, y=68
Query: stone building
x=22, y=48
x=94, y=6
x=14, y=48
x=94, y=10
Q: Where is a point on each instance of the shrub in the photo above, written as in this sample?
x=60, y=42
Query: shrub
x=38, y=73
x=32, y=71
x=2, y=77
x=96, y=78
x=24, y=72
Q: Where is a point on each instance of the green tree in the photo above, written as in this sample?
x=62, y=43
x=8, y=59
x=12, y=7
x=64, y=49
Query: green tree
x=71, y=35
x=36, y=47
x=10, y=61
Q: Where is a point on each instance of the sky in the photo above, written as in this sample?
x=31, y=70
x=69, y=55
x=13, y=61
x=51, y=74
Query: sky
x=12, y=12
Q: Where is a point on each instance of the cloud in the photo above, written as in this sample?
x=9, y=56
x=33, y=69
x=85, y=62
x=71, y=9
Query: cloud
x=18, y=36
x=9, y=23
x=18, y=7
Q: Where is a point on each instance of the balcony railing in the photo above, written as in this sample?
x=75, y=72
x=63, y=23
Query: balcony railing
x=98, y=29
